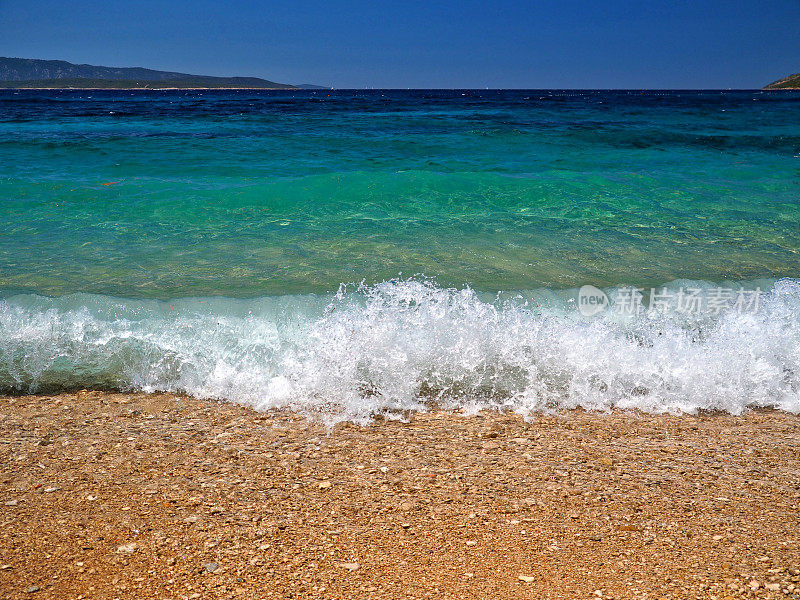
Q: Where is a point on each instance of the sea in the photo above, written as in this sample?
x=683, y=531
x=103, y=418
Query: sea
x=354, y=253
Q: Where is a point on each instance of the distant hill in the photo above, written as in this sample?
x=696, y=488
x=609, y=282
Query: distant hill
x=35, y=73
x=123, y=84
x=792, y=82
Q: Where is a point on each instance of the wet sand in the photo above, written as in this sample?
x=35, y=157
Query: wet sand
x=156, y=496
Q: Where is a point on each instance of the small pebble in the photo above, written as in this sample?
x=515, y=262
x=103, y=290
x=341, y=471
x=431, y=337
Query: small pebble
x=211, y=567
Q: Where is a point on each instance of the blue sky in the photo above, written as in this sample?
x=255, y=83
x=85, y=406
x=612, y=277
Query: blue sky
x=469, y=43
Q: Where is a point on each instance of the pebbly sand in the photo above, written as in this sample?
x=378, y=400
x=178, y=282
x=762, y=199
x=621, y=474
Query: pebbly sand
x=140, y=496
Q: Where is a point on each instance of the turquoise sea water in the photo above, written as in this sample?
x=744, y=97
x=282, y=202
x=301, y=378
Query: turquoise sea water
x=196, y=241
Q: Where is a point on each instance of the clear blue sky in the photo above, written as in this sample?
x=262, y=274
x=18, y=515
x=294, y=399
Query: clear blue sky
x=466, y=43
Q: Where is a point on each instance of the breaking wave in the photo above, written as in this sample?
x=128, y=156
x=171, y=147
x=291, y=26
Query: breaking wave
x=405, y=345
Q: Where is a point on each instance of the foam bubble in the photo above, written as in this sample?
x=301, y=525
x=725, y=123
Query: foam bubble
x=408, y=345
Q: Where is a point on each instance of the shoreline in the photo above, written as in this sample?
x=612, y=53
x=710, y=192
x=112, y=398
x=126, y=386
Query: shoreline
x=132, y=495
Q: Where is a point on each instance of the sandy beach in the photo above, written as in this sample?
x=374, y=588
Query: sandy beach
x=106, y=495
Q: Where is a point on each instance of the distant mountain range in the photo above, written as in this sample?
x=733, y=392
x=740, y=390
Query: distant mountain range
x=35, y=73
x=792, y=82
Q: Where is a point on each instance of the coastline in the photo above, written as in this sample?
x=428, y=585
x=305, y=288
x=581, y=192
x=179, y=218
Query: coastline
x=135, y=495
x=153, y=89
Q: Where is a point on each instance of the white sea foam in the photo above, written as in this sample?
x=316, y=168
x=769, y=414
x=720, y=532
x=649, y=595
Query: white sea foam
x=408, y=345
